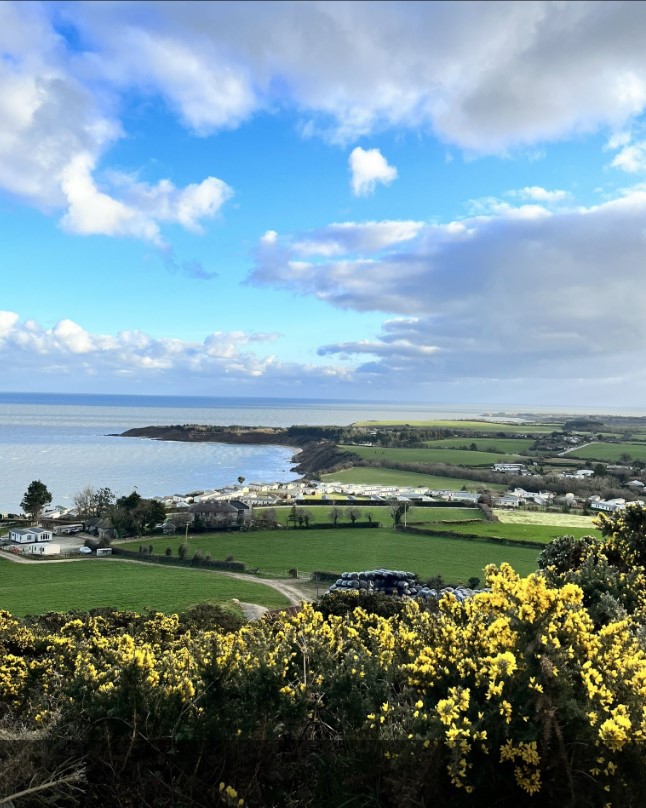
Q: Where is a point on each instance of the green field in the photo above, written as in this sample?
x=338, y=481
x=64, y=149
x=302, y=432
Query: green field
x=541, y=534
x=610, y=452
x=348, y=549
x=474, y=426
x=510, y=446
x=378, y=513
x=452, y=457
x=40, y=587
x=380, y=476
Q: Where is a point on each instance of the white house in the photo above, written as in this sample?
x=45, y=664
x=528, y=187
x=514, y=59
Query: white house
x=29, y=535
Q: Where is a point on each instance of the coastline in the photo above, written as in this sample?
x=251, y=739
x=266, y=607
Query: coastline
x=312, y=455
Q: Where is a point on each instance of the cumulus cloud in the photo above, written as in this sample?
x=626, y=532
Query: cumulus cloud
x=55, y=128
x=367, y=168
x=493, y=295
x=486, y=77
x=536, y=193
x=67, y=349
x=631, y=157
x=348, y=69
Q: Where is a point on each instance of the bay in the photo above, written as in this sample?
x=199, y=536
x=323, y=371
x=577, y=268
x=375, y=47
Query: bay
x=68, y=442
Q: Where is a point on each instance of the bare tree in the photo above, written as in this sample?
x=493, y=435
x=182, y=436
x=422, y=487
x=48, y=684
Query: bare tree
x=353, y=513
x=335, y=514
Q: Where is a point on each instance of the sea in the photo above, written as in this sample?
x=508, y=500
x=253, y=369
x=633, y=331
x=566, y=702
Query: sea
x=68, y=441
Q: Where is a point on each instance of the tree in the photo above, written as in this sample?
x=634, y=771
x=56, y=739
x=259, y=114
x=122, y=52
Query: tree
x=91, y=502
x=335, y=513
x=35, y=499
x=353, y=513
x=397, y=509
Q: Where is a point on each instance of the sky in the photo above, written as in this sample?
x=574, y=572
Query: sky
x=413, y=201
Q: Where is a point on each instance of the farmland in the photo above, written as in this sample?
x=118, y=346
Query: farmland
x=472, y=426
x=384, y=476
x=454, y=457
x=562, y=520
x=378, y=513
x=507, y=446
x=40, y=587
x=538, y=533
x=610, y=452
x=347, y=549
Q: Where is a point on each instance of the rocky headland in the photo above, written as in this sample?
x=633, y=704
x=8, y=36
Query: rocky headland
x=315, y=453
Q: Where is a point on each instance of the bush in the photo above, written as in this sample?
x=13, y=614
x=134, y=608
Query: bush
x=567, y=553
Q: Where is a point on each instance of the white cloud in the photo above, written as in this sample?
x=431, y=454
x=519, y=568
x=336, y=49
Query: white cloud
x=537, y=194
x=55, y=128
x=631, y=158
x=485, y=77
x=500, y=295
x=71, y=351
x=369, y=167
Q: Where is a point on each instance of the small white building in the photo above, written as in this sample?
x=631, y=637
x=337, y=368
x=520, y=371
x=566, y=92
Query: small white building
x=29, y=535
x=41, y=548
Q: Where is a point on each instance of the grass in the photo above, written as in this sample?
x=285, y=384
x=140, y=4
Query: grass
x=275, y=552
x=610, y=452
x=381, y=476
x=540, y=518
x=515, y=446
x=541, y=534
x=475, y=426
x=453, y=457
x=379, y=513
x=40, y=587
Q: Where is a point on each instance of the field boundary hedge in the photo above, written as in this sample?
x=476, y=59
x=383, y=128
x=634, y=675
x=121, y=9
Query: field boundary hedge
x=454, y=534
x=175, y=561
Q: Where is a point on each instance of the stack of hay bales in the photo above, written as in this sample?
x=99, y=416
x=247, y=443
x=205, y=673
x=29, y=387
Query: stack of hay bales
x=395, y=582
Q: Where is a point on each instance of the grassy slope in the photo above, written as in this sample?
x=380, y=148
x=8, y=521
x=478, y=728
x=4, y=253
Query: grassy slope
x=610, y=452
x=41, y=587
x=453, y=457
x=475, y=426
x=382, y=476
x=379, y=513
x=515, y=446
x=542, y=534
x=562, y=520
x=349, y=549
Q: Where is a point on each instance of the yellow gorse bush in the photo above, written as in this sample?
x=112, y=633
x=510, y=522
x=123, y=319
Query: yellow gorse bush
x=516, y=676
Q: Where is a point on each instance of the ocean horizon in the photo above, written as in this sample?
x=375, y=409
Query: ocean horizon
x=68, y=441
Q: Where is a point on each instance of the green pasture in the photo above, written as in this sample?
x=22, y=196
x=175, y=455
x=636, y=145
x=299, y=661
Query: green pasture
x=507, y=446
x=452, y=457
x=383, y=476
x=610, y=452
x=473, y=426
x=541, y=534
x=40, y=587
x=274, y=552
x=378, y=513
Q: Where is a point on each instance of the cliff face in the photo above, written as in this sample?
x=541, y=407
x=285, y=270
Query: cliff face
x=323, y=456
x=316, y=456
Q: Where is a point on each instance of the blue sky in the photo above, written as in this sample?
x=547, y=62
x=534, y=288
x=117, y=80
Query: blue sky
x=437, y=202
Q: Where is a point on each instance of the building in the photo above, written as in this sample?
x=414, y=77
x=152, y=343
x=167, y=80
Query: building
x=29, y=535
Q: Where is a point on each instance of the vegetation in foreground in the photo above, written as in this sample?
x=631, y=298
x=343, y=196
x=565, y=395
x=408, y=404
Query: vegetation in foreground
x=531, y=690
